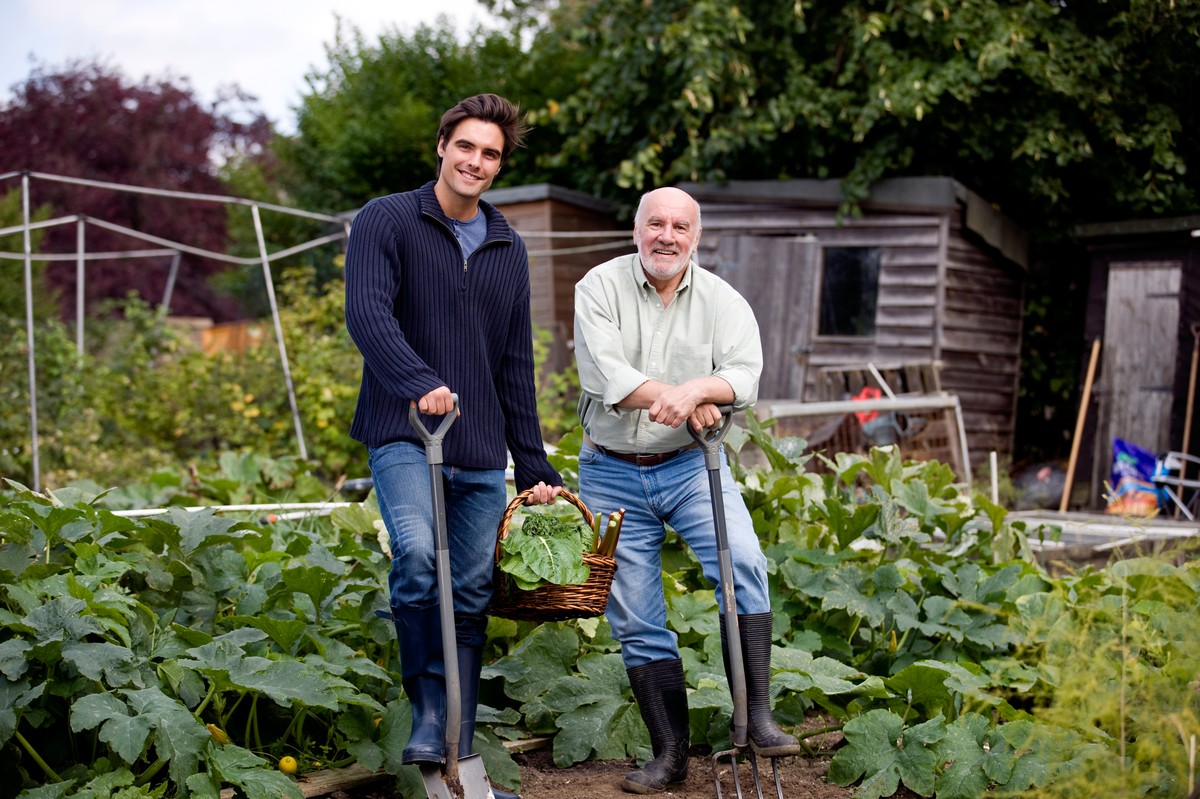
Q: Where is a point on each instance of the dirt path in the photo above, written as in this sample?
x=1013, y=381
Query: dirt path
x=800, y=777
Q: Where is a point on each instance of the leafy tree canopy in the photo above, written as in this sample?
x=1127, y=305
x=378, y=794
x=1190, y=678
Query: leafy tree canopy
x=368, y=125
x=1060, y=111
x=87, y=120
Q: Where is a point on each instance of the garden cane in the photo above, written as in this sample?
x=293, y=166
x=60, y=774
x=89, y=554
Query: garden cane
x=711, y=440
x=465, y=777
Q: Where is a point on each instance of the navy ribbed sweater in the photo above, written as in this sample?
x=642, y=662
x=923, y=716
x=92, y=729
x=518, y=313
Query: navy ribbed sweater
x=422, y=318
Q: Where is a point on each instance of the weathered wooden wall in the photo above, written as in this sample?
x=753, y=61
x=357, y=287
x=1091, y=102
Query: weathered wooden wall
x=944, y=295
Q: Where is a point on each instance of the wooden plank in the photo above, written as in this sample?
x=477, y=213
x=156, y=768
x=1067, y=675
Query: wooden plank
x=981, y=321
x=896, y=337
x=998, y=304
x=981, y=283
x=908, y=278
x=907, y=296
x=993, y=401
x=888, y=316
x=896, y=256
x=966, y=380
x=980, y=341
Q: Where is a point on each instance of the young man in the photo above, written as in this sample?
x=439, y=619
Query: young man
x=437, y=301
x=660, y=344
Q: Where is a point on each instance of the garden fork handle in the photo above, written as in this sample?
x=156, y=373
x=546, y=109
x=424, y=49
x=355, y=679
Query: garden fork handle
x=441, y=542
x=710, y=439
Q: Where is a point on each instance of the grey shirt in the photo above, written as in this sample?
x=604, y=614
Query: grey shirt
x=624, y=337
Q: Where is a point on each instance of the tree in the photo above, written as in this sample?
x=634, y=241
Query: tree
x=1060, y=111
x=88, y=121
x=368, y=124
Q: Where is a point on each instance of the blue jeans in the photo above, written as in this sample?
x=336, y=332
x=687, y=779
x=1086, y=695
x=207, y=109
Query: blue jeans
x=674, y=493
x=475, y=503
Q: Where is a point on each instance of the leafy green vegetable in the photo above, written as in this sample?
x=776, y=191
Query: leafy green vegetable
x=546, y=549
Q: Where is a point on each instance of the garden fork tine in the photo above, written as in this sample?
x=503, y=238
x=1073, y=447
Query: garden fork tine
x=711, y=440
x=732, y=754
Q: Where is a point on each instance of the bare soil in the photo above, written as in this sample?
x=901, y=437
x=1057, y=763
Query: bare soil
x=798, y=776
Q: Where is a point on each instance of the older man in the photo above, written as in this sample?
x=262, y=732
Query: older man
x=662, y=343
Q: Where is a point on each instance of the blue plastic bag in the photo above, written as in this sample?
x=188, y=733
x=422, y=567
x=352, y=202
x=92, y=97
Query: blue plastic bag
x=1132, y=480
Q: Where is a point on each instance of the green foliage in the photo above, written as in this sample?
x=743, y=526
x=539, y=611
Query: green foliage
x=122, y=637
x=369, y=124
x=909, y=612
x=145, y=397
x=1057, y=111
x=558, y=392
x=12, y=276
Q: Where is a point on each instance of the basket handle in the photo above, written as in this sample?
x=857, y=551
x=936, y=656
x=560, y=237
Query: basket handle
x=519, y=500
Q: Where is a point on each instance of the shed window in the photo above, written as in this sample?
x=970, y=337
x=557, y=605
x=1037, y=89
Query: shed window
x=849, y=291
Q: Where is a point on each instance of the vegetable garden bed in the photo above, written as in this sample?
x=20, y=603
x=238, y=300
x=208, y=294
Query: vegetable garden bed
x=182, y=654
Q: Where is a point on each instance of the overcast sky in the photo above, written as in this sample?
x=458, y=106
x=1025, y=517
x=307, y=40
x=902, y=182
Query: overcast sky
x=264, y=46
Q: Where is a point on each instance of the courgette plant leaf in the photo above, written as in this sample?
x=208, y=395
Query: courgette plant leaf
x=243, y=769
x=963, y=753
x=178, y=737
x=879, y=746
x=14, y=660
x=13, y=697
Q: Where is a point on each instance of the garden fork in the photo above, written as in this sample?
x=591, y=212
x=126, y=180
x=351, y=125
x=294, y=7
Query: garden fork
x=710, y=440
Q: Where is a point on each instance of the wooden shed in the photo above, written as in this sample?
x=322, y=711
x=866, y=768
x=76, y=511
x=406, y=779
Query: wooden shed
x=567, y=232
x=928, y=273
x=1143, y=304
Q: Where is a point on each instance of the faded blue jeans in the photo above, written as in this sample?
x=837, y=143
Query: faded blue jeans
x=674, y=493
x=475, y=502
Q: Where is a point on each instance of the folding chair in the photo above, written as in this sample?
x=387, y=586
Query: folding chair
x=1173, y=483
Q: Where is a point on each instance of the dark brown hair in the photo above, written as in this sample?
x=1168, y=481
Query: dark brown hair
x=488, y=108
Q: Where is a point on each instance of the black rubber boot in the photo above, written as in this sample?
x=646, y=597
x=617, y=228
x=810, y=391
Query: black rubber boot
x=765, y=736
x=661, y=696
x=423, y=677
x=470, y=663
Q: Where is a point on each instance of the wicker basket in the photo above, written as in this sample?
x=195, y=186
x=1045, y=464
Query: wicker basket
x=552, y=602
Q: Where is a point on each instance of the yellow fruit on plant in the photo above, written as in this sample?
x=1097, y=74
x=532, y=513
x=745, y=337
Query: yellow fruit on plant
x=287, y=764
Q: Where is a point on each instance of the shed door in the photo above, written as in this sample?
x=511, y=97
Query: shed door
x=777, y=277
x=1141, y=326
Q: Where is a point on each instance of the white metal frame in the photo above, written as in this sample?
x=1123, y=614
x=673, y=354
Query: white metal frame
x=172, y=248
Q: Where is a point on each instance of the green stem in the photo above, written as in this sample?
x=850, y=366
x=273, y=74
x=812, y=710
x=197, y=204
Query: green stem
x=804, y=736
x=228, y=714
x=212, y=690
x=149, y=773
x=28, y=747
x=858, y=620
x=821, y=731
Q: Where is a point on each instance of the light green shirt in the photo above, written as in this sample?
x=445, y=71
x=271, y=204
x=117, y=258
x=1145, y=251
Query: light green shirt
x=624, y=337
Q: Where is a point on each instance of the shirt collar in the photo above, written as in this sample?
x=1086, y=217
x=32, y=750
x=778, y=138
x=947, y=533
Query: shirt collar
x=639, y=275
